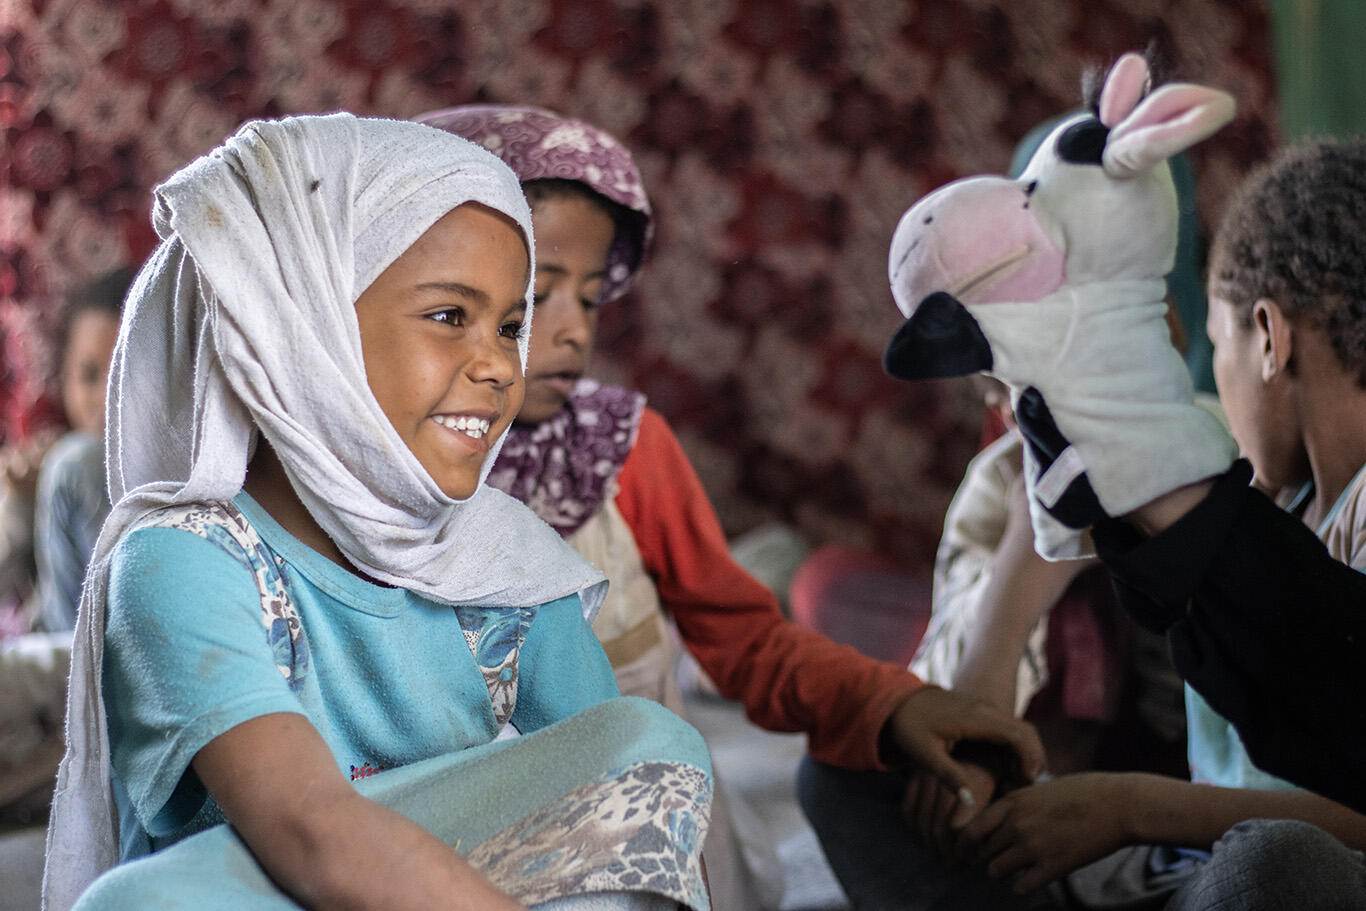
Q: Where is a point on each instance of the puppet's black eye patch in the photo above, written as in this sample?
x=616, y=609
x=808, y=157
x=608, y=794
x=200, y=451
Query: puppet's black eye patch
x=1032, y=186
x=1084, y=142
x=928, y=219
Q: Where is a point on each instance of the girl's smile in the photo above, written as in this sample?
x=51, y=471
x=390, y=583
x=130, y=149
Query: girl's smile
x=471, y=426
x=467, y=433
x=439, y=331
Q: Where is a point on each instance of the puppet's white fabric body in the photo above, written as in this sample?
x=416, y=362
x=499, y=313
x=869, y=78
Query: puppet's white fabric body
x=244, y=319
x=1120, y=405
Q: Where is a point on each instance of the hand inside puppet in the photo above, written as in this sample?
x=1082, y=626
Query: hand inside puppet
x=1055, y=284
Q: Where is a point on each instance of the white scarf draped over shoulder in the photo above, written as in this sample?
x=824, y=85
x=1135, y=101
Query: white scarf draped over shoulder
x=244, y=319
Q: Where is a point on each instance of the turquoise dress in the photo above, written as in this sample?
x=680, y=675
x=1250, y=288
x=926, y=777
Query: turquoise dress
x=217, y=615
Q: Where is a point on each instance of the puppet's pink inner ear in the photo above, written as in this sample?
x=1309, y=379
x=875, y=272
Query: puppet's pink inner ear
x=1170, y=120
x=1123, y=88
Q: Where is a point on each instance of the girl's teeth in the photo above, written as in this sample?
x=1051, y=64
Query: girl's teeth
x=470, y=426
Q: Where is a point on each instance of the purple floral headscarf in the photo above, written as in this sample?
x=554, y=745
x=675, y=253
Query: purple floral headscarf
x=563, y=467
x=539, y=144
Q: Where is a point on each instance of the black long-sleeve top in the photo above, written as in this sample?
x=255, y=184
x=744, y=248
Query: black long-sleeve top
x=1263, y=623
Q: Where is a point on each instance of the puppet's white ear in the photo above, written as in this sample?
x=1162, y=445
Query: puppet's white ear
x=1124, y=86
x=1170, y=120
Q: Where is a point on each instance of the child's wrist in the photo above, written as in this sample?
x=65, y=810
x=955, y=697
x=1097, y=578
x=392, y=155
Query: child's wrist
x=1139, y=809
x=1158, y=515
x=995, y=689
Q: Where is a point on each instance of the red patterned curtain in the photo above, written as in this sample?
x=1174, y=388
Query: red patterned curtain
x=780, y=142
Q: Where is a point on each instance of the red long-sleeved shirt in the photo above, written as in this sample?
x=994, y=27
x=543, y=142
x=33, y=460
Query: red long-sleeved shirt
x=788, y=678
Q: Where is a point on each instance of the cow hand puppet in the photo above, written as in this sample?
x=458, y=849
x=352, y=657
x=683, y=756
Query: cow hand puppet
x=1055, y=283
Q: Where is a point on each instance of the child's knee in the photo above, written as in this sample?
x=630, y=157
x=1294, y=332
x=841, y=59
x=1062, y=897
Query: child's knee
x=1287, y=863
x=817, y=793
x=125, y=887
x=1280, y=845
x=828, y=796
x=661, y=733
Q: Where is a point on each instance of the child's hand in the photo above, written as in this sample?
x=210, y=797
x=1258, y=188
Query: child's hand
x=1047, y=830
x=1017, y=541
x=935, y=813
x=931, y=722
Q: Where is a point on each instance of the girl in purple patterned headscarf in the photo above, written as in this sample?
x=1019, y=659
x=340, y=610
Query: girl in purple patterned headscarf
x=610, y=476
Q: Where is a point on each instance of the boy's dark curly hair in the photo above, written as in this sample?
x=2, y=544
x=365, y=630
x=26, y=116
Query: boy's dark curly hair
x=1295, y=233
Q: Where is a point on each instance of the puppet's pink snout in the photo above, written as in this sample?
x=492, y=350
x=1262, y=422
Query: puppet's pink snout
x=979, y=240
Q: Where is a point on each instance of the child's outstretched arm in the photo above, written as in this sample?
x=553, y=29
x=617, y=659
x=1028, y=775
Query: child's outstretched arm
x=789, y=678
x=321, y=841
x=1022, y=588
x=993, y=631
x=1260, y=620
x=1040, y=833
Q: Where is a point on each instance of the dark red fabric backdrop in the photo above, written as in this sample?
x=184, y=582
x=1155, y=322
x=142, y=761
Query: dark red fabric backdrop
x=780, y=142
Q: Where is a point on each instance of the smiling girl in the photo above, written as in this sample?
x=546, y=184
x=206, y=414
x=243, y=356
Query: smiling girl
x=308, y=617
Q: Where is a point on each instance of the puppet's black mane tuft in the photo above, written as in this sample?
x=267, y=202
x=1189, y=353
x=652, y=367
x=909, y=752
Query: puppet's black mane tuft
x=1158, y=54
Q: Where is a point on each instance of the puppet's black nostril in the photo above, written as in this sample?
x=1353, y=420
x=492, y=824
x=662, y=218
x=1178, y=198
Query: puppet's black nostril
x=1033, y=185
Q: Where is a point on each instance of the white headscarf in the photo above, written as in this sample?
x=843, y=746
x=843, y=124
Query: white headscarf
x=245, y=318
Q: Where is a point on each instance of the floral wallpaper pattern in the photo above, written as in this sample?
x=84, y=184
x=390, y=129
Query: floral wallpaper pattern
x=780, y=141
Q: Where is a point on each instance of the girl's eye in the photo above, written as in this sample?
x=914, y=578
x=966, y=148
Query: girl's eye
x=514, y=330
x=590, y=303
x=453, y=315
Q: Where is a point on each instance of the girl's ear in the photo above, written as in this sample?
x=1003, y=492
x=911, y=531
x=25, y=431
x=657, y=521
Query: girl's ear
x=1170, y=120
x=1275, y=337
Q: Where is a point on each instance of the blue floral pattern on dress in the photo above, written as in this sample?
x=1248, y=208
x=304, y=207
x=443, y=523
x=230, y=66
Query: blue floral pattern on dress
x=224, y=525
x=495, y=637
